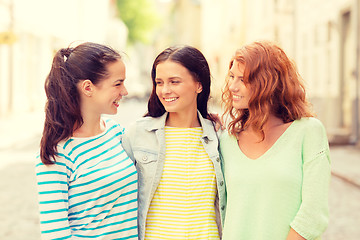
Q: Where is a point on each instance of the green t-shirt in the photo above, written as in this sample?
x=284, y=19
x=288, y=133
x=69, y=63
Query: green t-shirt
x=285, y=187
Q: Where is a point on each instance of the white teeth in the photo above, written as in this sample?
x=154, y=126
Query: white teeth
x=237, y=97
x=170, y=99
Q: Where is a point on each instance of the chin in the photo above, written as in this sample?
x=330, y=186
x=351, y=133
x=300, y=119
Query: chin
x=113, y=112
x=238, y=107
x=169, y=110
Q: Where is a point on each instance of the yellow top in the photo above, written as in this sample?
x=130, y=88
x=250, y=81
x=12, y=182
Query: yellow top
x=183, y=204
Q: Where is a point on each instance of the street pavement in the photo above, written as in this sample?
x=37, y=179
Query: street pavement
x=19, y=141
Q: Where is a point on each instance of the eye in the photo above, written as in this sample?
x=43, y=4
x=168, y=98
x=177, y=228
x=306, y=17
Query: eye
x=231, y=76
x=158, y=82
x=175, y=81
x=119, y=83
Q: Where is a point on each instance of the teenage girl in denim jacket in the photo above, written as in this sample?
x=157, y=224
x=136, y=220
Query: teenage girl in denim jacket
x=175, y=149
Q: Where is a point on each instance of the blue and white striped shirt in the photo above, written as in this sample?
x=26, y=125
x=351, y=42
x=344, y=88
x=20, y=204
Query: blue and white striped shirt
x=91, y=190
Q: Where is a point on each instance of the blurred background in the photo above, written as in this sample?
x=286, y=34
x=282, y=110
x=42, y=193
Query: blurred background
x=322, y=36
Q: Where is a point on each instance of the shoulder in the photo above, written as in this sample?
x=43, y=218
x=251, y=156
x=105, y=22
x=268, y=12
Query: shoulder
x=109, y=122
x=141, y=126
x=310, y=122
x=64, y=146
x=142, y=123
x=225, y=138
x=61, y=159
x=310, y=125
x=208, y=124
x=151, y=123
x=224, y=135
x=209, y=129
x=228, y=145
x=145, y=121
x=314, y=138
x=112, y=124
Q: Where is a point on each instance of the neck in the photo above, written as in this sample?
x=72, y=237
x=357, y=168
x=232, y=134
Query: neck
x=92, y=125
x=183, y=120
x=272, y=122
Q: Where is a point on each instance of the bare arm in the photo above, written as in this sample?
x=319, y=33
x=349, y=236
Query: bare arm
x=293, y=235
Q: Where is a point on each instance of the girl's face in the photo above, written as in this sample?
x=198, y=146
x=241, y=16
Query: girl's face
x=108, y=92
x=239, y=91
x=176, y=88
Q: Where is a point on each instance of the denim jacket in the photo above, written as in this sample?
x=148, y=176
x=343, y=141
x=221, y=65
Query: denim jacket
x=144, y=142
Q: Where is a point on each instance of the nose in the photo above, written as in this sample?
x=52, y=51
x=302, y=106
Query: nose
x=166, y=89
x=124, y=91
x=232, y=87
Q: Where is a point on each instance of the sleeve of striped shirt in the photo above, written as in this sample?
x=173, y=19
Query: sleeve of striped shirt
x=126, y=142
x=52, y=183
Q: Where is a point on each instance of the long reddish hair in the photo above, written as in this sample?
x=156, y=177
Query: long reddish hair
x=276, y=88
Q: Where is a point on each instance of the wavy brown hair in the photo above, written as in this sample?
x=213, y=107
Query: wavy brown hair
x=62, y=109
x=276, y=88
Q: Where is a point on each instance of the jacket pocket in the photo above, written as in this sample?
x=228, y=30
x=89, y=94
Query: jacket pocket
x=145, y=157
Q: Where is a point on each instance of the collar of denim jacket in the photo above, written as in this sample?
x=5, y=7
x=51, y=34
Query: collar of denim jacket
x=206, y=124
x=156, y=122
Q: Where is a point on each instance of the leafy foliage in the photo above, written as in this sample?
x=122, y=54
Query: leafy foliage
x=140, y=18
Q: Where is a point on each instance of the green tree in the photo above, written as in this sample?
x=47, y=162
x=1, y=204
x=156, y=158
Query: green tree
x=140, y=18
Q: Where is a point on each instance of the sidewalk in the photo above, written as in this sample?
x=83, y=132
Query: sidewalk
x=345, y=163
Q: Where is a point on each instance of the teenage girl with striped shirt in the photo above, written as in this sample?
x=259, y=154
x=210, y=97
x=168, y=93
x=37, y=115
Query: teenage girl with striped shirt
x=87, y=185
x=175, y=147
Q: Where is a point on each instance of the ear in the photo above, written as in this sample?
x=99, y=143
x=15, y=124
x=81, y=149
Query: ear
x=87, y=87
x=199, y=88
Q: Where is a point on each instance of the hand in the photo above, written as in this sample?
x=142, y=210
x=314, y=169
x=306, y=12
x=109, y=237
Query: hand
x=218, y=121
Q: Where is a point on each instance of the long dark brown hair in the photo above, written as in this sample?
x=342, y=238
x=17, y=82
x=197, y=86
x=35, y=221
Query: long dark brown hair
x=62, y=109
x=194, y=61
x=276, y=88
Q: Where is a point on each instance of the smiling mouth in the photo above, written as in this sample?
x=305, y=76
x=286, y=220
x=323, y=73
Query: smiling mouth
x=235, y=97
x=116, y=103
x=170, y=99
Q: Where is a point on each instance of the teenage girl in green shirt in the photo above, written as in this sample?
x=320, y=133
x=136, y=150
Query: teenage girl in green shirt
x=276, y=155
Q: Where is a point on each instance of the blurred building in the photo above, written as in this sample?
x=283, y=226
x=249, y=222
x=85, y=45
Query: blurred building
x=322, y=37
x=32, y=31
x=215, y=27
